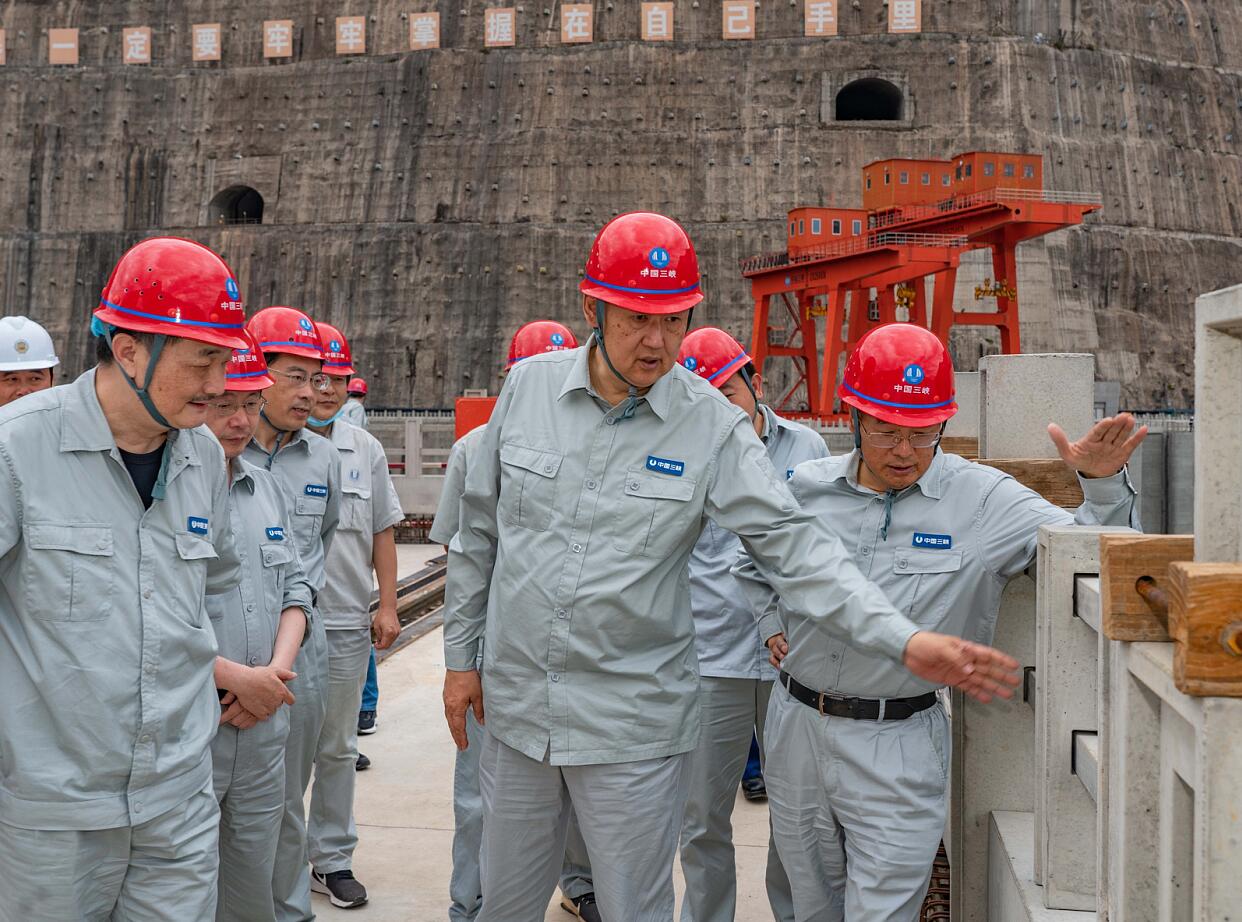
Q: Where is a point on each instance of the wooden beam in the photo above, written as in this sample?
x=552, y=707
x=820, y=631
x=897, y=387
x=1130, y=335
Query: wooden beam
x=1049, y=477
x=1205, y=621
x=965, y=445
x=1124, y=560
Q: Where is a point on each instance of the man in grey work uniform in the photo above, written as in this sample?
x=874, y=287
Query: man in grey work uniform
x=735, y=678
x=465, y=884
x=309, y=468
x=857, y=749
x=259, y=627
x=582, y=506
x=114, y=527
x=364, y=541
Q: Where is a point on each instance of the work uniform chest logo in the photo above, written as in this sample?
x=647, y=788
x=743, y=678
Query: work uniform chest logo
x=317, y=490
x=354, y=474
x=913, y=374
x=935, y=542
x=197, y=525
x=275, y=533
x=666, y=466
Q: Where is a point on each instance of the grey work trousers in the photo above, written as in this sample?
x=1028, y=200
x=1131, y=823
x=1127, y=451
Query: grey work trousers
x=249, y=778
x=157, y=870
x=466, y=882
x=858, y=808
x=331, y=834
x=731, y=709
x=291, y=878
x=630, y=815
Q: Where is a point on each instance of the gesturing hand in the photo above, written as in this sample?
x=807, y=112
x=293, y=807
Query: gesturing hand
x=1104, y=450
x=462, y=690
x=979, y=671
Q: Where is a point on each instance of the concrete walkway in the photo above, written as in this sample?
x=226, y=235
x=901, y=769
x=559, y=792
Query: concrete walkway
x=404, y=805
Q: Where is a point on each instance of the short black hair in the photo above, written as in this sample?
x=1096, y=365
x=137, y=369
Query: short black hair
x=103, y=352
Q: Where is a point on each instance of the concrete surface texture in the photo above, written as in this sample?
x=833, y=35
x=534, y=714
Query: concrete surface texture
x=429, y=202
x=404, y=804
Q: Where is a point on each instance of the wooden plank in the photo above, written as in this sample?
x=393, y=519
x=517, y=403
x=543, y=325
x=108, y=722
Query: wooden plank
x=1205, y=617
x=965, y=445
x=1049, y=477
x=1124, y=559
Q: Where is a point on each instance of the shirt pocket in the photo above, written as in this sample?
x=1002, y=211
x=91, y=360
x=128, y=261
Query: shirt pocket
x=355, y=509
x=196, y=554
x=308, y=514
x=527, y=485
x=274, y=558
x=920, y=582
x=69, y=571
x=654, y=513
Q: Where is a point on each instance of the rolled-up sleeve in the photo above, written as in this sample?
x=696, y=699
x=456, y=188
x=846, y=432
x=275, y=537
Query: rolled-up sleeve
x=800, y=559
x=472, y=558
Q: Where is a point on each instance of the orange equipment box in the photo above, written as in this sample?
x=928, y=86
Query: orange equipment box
x=470, y=413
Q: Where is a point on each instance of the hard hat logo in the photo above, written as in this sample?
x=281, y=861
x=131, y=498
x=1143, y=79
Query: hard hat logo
x=658, y=258
x=914, y=374
x=306, y=325
x=21, y=347
x=335, y=346
x=558, y=339
x=231, y=289
x=691, y=362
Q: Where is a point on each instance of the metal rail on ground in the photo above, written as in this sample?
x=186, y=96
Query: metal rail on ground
x=420, y=604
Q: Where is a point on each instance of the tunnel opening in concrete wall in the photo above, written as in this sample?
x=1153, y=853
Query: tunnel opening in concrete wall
x=236, y=205
x=871, y=100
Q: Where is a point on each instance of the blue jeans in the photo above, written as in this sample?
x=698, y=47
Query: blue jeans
x=370, y=691
x=752, y=762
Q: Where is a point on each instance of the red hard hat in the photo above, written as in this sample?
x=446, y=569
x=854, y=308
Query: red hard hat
x=247, y=369
x=357, y=386
x=537, y=337
x=712, y=354
x=643, y=262
x=337, y=359
x=902, y=374
x=175, y=287
x=287, y=330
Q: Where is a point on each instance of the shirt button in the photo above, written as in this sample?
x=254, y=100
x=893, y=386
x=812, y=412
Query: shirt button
x=903, y=564
x=138, y=808
x=145, y=738
x=250, y=607
x=590, y=484
x=101, y=546
x=547, y=468
x=866, y=552
x=254, y=661
x=631, y=487
x=562, y=614
x=609, y=421
x=576, y=548
x=555, y=677
x=834, y=656
x=146, y=593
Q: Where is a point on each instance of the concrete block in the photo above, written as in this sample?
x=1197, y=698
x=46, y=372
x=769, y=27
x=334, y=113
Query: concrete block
x=1013, y=895
x=993, y=763
x=1021, y=394
x=1066, y=673
x=1107, y=398
x=1179, y=465
x=1218, y=426
x=965, y=423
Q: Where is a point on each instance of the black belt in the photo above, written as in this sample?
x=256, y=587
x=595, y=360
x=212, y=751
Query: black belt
x=856, y=708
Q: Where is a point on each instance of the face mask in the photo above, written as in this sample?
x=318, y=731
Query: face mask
x=323, y=423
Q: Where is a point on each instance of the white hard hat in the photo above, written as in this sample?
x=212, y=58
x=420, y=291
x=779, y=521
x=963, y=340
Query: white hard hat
x=25, y=346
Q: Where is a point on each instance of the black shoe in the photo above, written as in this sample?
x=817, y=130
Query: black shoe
x=581, y=906
x=754, y=789
x=366, y=723
x=362, y=764
x=340, y=887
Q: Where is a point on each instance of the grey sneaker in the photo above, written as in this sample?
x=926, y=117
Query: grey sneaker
x=341, y=888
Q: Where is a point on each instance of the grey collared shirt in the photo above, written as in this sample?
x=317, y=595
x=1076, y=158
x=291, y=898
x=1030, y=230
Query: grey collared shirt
x=728, y=639
x=106, y=651
x=369, y=504
x=955, y=538
x=448, y=511
x=576, y=528
x=308, y=466
x=247, y=618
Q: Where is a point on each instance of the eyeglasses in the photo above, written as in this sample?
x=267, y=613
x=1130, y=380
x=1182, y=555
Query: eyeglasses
x=893, y=439
x=318, y=381
x=252, y=405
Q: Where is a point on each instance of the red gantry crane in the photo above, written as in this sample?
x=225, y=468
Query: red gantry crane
x=918, y=217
